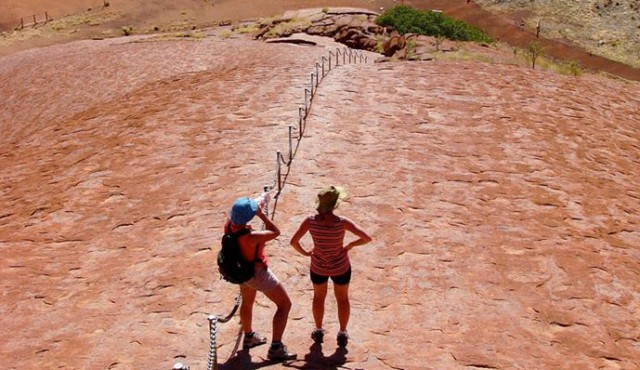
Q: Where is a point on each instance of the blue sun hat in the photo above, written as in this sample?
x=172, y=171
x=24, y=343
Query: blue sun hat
x=243, y=210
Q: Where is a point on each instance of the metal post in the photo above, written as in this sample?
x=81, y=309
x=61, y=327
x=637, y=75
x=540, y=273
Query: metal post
x=306, y=101
x=213, y=331
x=278, y=155
x=300, y=119
x=317, y=74
x=290, y=144
x=34, y=20
x=311, y=91
x=330, y=56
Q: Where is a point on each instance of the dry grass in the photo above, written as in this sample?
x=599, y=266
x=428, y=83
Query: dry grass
x=284, y=28
x=609, y=28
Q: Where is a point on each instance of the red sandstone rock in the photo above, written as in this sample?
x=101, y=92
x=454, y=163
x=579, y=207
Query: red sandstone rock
x=503, y=203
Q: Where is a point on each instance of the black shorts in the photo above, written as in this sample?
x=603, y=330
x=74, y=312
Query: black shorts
x=343, y=279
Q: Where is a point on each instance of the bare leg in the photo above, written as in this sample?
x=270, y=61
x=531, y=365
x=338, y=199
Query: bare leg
x=319, y=295
x=344, y=307
x=280, y=297
x=246, y=309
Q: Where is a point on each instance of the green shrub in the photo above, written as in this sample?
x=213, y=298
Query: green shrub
x=535, y=50
x=405, y=19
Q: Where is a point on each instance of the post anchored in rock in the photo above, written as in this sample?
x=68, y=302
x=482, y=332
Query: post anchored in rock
x=307, y=98
x=324, y=59
x=300, y=122
x=290, y=145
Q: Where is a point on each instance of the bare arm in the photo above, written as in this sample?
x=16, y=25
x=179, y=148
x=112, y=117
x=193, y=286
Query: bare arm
x=295, y=240
x=249, y=242
x=363, y=237
x=270, y=231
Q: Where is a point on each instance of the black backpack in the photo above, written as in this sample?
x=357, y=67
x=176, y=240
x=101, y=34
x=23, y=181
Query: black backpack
x=231, y=265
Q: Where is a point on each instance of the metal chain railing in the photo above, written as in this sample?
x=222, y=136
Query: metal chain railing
x=279, y=182
x=213, y=333
x=322, y=68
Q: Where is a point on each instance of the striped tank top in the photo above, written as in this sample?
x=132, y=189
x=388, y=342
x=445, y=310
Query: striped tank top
x=329, y=257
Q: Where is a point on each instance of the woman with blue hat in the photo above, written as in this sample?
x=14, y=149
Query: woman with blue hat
x=252, y=248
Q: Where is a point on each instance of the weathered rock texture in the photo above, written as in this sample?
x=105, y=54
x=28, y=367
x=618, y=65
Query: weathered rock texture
x=355, y=28
x=503, y=203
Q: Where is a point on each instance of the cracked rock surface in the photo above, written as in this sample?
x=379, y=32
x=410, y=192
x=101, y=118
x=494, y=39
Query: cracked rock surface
x=503, y=203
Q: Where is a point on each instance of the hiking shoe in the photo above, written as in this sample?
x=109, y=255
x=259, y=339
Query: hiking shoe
x=253, y=340
x=343, y=339
x=280, y=353
x=317, y=335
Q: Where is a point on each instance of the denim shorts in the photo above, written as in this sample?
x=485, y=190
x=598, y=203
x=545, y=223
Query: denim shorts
x=263, y=279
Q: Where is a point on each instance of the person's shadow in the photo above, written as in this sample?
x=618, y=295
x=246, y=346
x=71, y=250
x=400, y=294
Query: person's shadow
x=315, y=359
x=242, y=361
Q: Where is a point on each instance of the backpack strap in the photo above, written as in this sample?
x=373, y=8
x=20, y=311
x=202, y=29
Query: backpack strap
x=238, y=235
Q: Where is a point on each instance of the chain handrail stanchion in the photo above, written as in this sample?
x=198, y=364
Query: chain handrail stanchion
x=290, y=144
x=213, y=332
x=300, y=126
x=278, y=155
x=307, y=93
x=311, y=90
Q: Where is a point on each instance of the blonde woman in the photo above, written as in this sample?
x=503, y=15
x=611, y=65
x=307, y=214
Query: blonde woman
x=329, y=258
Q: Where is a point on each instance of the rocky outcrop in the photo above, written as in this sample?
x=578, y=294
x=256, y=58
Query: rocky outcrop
x=394, y=44
x=355, y=28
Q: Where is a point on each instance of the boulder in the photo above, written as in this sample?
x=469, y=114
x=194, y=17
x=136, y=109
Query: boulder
x=392, y=45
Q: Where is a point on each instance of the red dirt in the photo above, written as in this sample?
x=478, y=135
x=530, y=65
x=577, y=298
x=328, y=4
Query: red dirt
x=507, y=30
